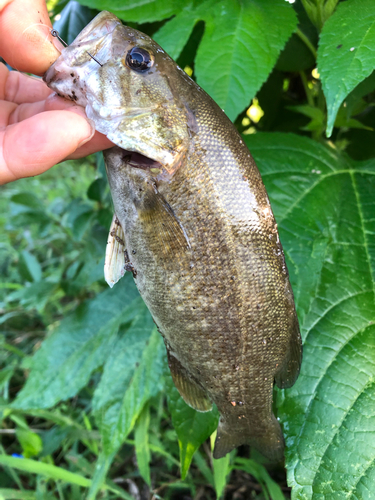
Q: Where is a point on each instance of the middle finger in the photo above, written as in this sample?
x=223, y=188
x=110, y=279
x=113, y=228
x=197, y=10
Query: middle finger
x=11, y=113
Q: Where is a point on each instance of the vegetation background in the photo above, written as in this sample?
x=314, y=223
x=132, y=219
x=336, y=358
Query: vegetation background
x=87, y=405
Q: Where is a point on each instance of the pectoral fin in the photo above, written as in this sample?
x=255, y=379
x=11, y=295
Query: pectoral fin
x=190, y=391
x=114, y=264
x=161, y=221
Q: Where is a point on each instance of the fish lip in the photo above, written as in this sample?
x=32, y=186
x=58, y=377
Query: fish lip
x=49, y=74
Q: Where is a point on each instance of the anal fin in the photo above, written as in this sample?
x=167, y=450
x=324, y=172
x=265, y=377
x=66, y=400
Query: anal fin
x=190, y=391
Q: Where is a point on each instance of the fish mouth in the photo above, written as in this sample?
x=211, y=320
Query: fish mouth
x=138, y=160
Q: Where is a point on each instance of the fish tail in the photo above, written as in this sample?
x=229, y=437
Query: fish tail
x=268, y=440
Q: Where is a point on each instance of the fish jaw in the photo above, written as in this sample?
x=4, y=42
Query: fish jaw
x=137, y=111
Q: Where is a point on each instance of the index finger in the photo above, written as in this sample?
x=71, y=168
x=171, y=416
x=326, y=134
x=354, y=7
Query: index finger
x=25, y=41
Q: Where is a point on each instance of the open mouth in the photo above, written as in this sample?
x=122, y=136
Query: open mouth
x=138, y=160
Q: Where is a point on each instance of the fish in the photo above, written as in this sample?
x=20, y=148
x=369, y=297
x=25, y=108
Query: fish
x=194, y=225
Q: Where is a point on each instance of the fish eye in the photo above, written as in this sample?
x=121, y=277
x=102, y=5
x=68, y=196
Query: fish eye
x=139, y=59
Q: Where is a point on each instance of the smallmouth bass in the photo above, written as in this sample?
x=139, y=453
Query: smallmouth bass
x=194, y=225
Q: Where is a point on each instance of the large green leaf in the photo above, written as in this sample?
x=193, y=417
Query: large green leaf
x=174, y=35
x=324, y=204
x=141, y=12
x=132, y=374
x=192, y=427
x=80, y=344
x=346, y=53
x=241, y=44
x=73, y=18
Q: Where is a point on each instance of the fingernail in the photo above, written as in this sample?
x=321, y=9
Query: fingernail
x=92, y=132
x=90, y=124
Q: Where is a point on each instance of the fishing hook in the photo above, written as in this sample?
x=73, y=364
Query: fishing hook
x=55, y=34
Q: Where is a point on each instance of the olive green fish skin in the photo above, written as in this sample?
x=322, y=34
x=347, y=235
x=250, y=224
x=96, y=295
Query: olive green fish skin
x=203, y=240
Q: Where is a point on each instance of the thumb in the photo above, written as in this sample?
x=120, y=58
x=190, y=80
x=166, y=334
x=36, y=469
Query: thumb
x=36, y=144
x=25, y=42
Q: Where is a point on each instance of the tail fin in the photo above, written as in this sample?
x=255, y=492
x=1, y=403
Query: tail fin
x=268, y=439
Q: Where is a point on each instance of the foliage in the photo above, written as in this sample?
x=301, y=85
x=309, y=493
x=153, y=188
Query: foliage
x=84, y=381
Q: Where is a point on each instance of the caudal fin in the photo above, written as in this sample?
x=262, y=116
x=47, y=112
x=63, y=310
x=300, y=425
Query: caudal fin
x=268, y=439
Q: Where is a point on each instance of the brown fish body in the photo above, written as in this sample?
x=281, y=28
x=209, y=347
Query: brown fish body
x=203, y=243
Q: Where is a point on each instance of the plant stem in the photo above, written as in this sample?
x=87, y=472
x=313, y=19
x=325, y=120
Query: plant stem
x=310, y=98
x=307, y=42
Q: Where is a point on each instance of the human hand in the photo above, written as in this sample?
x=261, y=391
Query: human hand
x=37, y=128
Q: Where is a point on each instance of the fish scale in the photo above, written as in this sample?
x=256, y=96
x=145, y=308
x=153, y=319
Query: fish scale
x=197, y=226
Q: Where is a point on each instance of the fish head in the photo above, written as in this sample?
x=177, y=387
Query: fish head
x=129, y=87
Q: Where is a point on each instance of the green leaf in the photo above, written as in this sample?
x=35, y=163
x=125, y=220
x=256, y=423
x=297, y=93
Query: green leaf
x=5, y=375
x=324, y=205
x=101, y=469
x=57, y=474
x=346, y=53
x=35, y=295
x=81, y=224
x=240, y=46
x=31, y=442
x=145, y=11
x=96, y=189
x=27, y=200
x=221, y=469
x=51, y=471
x=74, y=17
x=343, y=121
x=365, y=87
x=81, y=343
x=316, y=115
x=32, y=269
x=260, y=473
x=9, y=494
x=174, y=35
x=192, y=427
x=133, y=372
x=204, y=468
x=142, y=448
